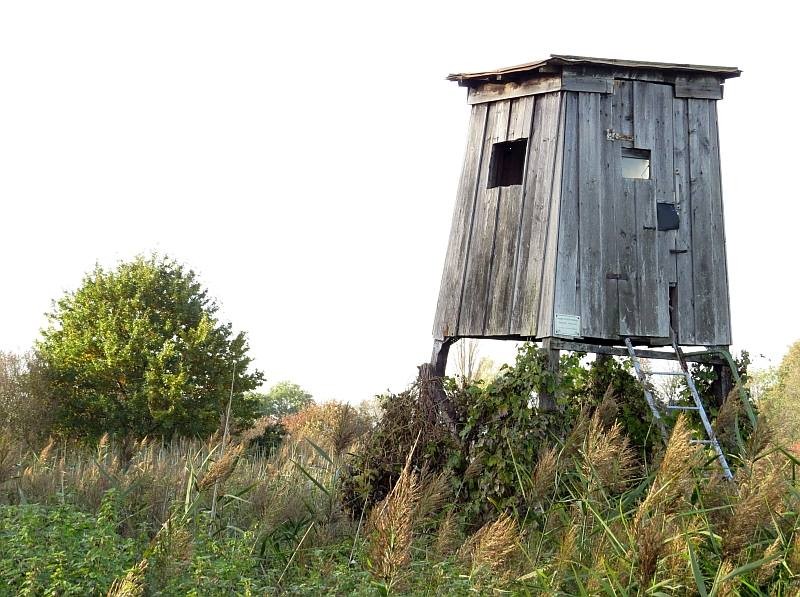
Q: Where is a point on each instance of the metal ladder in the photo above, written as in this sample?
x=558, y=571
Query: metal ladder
x=698, y=403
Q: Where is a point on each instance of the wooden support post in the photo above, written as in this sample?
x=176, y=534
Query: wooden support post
x=722, y=384
x=547, y=401
x=431, y=391
x=441, y=348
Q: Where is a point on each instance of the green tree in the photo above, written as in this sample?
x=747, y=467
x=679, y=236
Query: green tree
x=139, y=351
x=781, y=398
x=284, y=398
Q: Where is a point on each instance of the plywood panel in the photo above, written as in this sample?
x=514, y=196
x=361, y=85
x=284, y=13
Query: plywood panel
x=446, y=320
x=472, y=318
x=501, y=279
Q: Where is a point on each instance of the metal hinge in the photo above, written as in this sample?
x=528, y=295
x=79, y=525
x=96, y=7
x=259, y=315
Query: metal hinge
x=612, y=135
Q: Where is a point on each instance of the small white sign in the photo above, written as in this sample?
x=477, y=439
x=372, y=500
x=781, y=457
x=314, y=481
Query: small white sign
x=568, y=326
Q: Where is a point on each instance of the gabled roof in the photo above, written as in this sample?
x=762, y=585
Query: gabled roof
x=560, y=60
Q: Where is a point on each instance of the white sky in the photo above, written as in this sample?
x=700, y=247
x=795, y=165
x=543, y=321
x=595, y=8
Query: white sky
x=303, y=158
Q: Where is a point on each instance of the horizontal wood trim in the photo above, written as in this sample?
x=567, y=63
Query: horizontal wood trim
x=492, y=92
x=684, y=87
x=698, y=87
x=692, y=357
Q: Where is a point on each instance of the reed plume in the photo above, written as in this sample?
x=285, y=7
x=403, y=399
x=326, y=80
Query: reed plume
x=492, y=546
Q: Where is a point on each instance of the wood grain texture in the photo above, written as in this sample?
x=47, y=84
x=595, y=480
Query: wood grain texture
x=648, y=114
x=492, y=92
x=701, y=172
x=567, y=288
x=684, y=289
x=544, y=326
x=472, y=318
x=700, y=87
x=625, y=218
x=592, y=275
x=501, y=277
x=722, y=330
x=447, y=310
x=535, y=218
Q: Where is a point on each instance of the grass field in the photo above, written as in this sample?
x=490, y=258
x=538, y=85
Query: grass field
x=588, y=516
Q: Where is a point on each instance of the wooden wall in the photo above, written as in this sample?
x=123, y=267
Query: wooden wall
x=577, y=238
x=497, y=260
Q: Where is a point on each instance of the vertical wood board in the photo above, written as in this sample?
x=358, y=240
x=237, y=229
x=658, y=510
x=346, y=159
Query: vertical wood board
x=446, y=320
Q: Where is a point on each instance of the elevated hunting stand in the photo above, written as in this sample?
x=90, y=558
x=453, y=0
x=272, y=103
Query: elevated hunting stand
x=589, y=212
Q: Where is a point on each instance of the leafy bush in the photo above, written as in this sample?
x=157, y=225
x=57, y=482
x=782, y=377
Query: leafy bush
x=61, y=551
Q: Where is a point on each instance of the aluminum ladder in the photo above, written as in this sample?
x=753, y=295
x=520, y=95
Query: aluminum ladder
x=698, y=403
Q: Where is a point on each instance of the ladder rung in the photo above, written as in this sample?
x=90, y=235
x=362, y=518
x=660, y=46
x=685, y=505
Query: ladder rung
x=665, y=373
x=678, y=407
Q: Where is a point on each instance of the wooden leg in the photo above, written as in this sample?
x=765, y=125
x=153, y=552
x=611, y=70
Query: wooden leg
x=722, y=385
x=431, y=392
x=441, y=348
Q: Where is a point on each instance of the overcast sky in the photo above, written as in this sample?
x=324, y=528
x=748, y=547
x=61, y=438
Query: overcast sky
x=303, y=158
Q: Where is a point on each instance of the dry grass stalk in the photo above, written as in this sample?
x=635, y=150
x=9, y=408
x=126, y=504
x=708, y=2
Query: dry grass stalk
x=474, y=468
x=674, y=480
x=760, y=498
x=650, y=545
x=607, y=458
x=607, y=410
x=726, y=588
x=793, y=555
x=493, y=546
x=390, y=524
x=543, y=479
x=433, y=495
x=47, y=451
x=565, y=555
x=132, y=584
x=447, y=537
x=765, y=571
x=221, y=469
x=725, y=424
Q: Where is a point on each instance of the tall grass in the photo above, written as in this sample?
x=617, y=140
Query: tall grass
x=598, y=521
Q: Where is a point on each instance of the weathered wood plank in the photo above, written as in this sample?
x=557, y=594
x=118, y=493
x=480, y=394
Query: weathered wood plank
x=700, y=87
x=544, y=326
x=653, y=297
x=683, y=309
x=501, y=282
x=611, y=189
x=472, y=318
x=446, y=320
x=592, y=275
x=567, y=301
x=722, y=329
x=535, y=218
x=625, y=218
x=662, y=174
x=571, y=81
x=492, y=92
x=701, y=172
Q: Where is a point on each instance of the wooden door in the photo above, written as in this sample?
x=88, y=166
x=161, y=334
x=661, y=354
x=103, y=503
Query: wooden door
x=642, y=143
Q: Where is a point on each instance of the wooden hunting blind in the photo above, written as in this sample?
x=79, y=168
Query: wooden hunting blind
x=589, y=206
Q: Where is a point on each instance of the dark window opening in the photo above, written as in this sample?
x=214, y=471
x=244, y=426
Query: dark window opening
x=667, y=216
x=635, y=163
x=507, y=165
